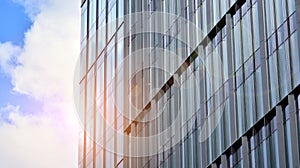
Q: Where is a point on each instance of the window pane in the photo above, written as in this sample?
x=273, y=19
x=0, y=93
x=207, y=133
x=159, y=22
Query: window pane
x=295, y=59
x=100, y=82
x=111, y=18
x=238, y=46
x=92, y=50
x=92, y=13
x=83, y=63
x=120, y=11
x=280, y=10
x=291, y=6
x=270, y=21
x=283, y=70
x=110, y=63
x=287, y=135
x=249, y=94
x=247, y=36
x=83, y=21
x=259, y=94
x=101, y=34
x=273, y=80
x=240, y=109
x=255, y=27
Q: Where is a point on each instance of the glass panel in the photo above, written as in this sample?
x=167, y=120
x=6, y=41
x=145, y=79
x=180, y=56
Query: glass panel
x=259, y=94
x=92, y=50
x=99, y=159
x=291, y=6
x=227, y=121
x=111, y=18
x=110, y=63
x=92, y=13
x=101, y=5
x=280, y=10
x=255, y=26
x=238, y=46
x=83, y=63
x=249, y=94
x=120, y=53
x=223, y=6
x=101, y=33
x=283, y=56
x=121, y=8
x=100, y=81
x=295, y=59
x=240, y=110
x=246, y=36
x=270, y=21
x=204, y=18
x=83, y=21
x=216, y=10
x=273, y=81
x=90, y=93
x=225, y=59
x=287, y=135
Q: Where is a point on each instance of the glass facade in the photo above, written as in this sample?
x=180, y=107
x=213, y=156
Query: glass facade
x=248, y=111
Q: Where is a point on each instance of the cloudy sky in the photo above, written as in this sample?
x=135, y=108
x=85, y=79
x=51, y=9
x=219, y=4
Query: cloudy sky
x=39, y=46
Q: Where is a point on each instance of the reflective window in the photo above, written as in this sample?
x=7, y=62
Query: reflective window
x=99, y=159
x=295, y=59
x=92, y=13
x=246, y=36
x=255, y=25
x=291, y=6
x=101, y=6
x=100, y=82
x=83, y=63
x=83, y=21
x=249, y=104
x=238, y=46
x=240, y=110
x=280, y=10
x=110, y=62
x=283, y=58
x=258, y=94
x=236, y=158
x=273, y=80
x=298, y=116
x=270, y=19
x=101, y=33
x=287, y=135
x=111, y=18
x=120, y=10
x=92, y=50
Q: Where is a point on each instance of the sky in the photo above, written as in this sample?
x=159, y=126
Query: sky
x=39, y=47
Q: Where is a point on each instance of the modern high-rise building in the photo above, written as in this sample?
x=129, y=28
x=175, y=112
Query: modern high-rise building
x=190, y=83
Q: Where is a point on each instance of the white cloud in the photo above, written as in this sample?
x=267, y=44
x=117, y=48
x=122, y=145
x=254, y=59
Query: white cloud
x=50, y=52
x=43, y=69
x=35, y=141
x=8, y=54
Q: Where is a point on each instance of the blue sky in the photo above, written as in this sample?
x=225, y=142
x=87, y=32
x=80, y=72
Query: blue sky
x=16, y=23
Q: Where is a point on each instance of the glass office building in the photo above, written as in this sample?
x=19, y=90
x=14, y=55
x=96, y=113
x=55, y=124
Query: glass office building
x=249, y=116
